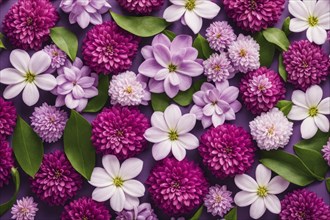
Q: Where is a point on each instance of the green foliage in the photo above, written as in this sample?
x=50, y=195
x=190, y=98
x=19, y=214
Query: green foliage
x=98, y=102
x=65, y=40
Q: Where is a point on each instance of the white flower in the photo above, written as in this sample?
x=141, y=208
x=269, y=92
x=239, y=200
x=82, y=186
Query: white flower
x=260, y=194
x=170, y=131
x=191, y=12
x=311, y=15
x=309, y=108
x=27, y=76
x=116, y=182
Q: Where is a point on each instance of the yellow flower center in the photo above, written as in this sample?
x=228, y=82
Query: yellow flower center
x=312, y=111
x=118, y=181
x=129, y=90
x=173, y=135
x=218, y=199
x=242, y=53
x=271, y=130
x=217, y=67
x=190, y=4
x=218, y=36
x=29, y=77
x=172, y=68
x=312, y=21
x=262, y=191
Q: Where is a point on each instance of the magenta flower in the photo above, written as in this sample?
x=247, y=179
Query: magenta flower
x=170, y=65
x=7, y=118
x=24, y=209
x=142, y=7
x=6, y=162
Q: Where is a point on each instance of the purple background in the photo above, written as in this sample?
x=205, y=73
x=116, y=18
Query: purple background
x=243, y=118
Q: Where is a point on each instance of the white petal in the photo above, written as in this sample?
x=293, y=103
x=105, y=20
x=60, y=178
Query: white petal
x=263, y=175
x=172, y=115
x=309, y=34
x=45, y=82
x=118, y=199
x=299, y=98
x=161, y=150
x=322, y=122
x=178, y=151
x=308, y=128
x=257, y=208
x=319, y=35
x=193, y=21
x=39, y=63
x=243, y=198
x=186, y=123
x=310, y=5
x=20, y=60
x=130, y=168
x=218, y=119
x=30, y=94
x=173, y=13
x=189, y=141
x=156, y=135
x=324, y=106
x=157, y=120
x=103, y=193
x=11, y=76
x=298, y=9
x=133, y=188
x=313, y=95
x=298, y=113
x=324, y=21
x=178, y=2
x=246, y=183
x=273, y=204
x=131, y=202
x=13, y=90
x=322, y=7
x=206, y=9
x=111, y=165
x=277, y=185
x=298, y=25
x=100, y=178
x=83, y=19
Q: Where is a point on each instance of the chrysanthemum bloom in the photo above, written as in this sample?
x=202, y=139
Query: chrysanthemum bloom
x=218, y=201
x=220, y=35
x=254, y=15
x=128, y=89
x=141, y=7
x=6, y=162
x=244, y=54
x=85, y=12
x=108, y=49
x=261, y=90
x=48, y=122
x=227, y=150
x=218, y=68
x=177, y=187
x=143, y=212
x=24, y=209
x=119, y=131
x=57, y=55
x=56, y=181
x=7, y=118
x=271, y=130
x=304, y=204
x=306, y=63
x=85, y=208
x=28, y=22
x=326, y=152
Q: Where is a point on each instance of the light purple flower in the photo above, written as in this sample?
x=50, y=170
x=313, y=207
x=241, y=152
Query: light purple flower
x=326, y=152
x=75, y=85
x=215, y=104
x=57, y=56
x=218, y=201
x=24, y=209
x=218, y=68
x=220, y=35
x=170, y=65
x=142, y=212
x=85, y=11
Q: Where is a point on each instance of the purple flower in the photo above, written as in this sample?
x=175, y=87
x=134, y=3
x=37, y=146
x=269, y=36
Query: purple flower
x=6, y=162
x=220, y=35
x=85, y=12
x=326, y=151
x=142, y=7
x=143, y=212
x=218, y=201
x=215, y=104
x=28, y=22
x=170, y=65
x=24, y=209
x=48, y=122
x=75, y=85
x=7, y=118
x=57, y=56
x=218, y=68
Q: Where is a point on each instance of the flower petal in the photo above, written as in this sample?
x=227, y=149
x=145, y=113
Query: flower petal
x=45, y=82
x=193, y=21
x=178, y=151
x=322, y=122
x=70, y=102
x=157, y=120
x=321, y=8
x=277, y=185
x=30, y=94
x=11, y=76
x=162, y=55
x=174, y=79
x=173, y=13
x=206, y=9
x=298, y=98
x=324, y=21
x=102, y=194
x=13, y=90
x=39, y=63
x=324, y=106
x=83, y=19
x=297, y=25
x=263, y=175
x=161, y=149
x=257, y=208
x=100, y=178
x=20, y=60
x=308, y=128
x=155, y=135
x=243, y=198
x=130, y=168
x=186, y=123
x=150, y=67
x=118, y=199
x=313, y=95
x=190, y=68
x=133, y=188
x=319, y=35
x=246, y=183
x=172, y=115
x=111, y=165
x=218, y=119
x=273, y=204
x=298, y=9
x=298, y=113
x=181, y=41
x=189, y=141
x=131, y=202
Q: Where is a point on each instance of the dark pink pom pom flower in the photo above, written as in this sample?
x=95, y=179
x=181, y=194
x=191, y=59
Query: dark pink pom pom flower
x=6, y=162
x=7, y=118
x=142, y=7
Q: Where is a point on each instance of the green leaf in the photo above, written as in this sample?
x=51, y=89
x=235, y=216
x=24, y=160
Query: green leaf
x=277, y=37
x=2, y=37
x=184, y=98
x=315, y=143
x=171, y=35
x=7, y=205
x=197, y=214
x=203, y=47
x=65, y=40
x=28, y=147
x=232, y=214
x=159, y=101
x=281, y=68
x=78, y=146
x=98, y=102
x=285, y=106
x=289, y=166
x=267, y=50
x=285, y=26
x=327, y=183
x=143, y=26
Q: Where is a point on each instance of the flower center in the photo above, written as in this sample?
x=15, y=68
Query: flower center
x=304, y=64
x=312, y=21
x=58, y=174
x=29, y=21
x=218, y=198
x=109, y=49
x=119, y=133
x=228, y=149
x=54, y=53
x=29, y=77
x=217, y=67
x=253, y=4
x=84, y=218
x=262, y=191
x=176, y=185
x=242, y=53
x=218, y=35
x=24, y=211
x=173, y=135
x=118, y=181
x=190, y=4
x=172, y=68
x=129, y=90
x=271, y=130
x=313, y=111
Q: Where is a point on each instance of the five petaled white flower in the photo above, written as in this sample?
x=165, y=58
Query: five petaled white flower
x=311, y=15
x=191, y=12
x=27, y=74
x=312, y=109
x=260, y=194
x=170, y=131
x=116, y=182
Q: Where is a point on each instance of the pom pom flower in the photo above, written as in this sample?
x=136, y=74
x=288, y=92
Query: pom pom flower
x=6, y=162
x=57, y=55
x=7, y=118
x=220, y=35
x=143, y=211
x=218, y=68
x=142, y=7
x=218, y=201
x=24, y=209
x=326, y=152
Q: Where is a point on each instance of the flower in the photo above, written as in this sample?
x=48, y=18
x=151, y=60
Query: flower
x=109, y=49
x=304, y=204
x=116, y=182
x=24, y=209
x=254, y=15
x=326, y=152
x=56, y=181
x=6, y=162
x=177, y=187
x=170, y=65
x=218, y=68
x=220, y=35
x=191, y=12
x=143, y=212
x=310, y=108
x=27, y=75
x=28, y=22
x=244, y=54
x=313, y=16
x=306, y=64
x=141, y=7
x=48, y=122
x=260, y=193
x=170, y=132
x=57, y=56
x=261, y=89
x=85, y=208
x=7, y=118
x=215, y=104
x=227, y=150
x=76, y=84
x=271, y=130
x=128, y=89
x=85, y=12
x=119, y=131
x=218, y=201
